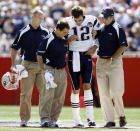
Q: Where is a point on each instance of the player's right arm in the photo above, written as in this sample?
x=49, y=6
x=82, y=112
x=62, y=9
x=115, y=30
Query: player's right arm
x=14, y=48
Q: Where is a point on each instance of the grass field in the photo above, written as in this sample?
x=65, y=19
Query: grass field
x=9, y=120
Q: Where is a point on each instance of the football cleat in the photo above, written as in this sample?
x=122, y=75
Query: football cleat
x=79, y=126
x=45, y=124
x=91, y=123
x=54, y=125
x=23, y=124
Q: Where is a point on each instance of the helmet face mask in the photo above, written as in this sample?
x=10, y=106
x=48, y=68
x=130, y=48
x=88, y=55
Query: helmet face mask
x=10, y=81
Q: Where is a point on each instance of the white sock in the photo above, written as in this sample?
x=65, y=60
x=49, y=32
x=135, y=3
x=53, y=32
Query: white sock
x=88, y=99
x=75, y=108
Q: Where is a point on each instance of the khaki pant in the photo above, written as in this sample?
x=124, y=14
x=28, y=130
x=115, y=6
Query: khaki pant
x=54, y=97
x=27, y=84
x=111, y=86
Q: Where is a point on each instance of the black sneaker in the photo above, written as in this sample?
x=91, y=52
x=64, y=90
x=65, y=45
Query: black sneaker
x=45, y=124
x=110, y=124
x=54, y=125
x=79, y=126
x=91, y=123
x=23, y=124
x=122, y=121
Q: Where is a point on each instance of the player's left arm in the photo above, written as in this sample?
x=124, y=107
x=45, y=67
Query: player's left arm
x=93, y=49
x=123, y=46
x=95, y=28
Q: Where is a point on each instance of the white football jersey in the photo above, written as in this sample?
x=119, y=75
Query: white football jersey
x=83, y=31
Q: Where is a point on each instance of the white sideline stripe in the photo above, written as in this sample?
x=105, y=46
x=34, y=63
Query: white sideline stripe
x=60, y=121
x=63, y=124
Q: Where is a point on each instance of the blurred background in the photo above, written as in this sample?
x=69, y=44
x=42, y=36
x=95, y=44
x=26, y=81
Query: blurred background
x=15, y=14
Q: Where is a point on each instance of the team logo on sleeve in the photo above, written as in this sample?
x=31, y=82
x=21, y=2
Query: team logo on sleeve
x=47, y=60
x=89, y=24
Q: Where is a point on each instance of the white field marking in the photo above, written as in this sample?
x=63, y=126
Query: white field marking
x=59, y=121
x=133, y=110
x=5, y=112
x=62, y=124
x=15, y=112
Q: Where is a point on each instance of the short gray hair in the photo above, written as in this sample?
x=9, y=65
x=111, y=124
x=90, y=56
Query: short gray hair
x=37, y=10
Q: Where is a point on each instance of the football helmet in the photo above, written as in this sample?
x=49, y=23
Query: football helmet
x=10, y=81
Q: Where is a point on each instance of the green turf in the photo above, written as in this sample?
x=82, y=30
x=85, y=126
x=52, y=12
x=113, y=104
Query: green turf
x=11, y=113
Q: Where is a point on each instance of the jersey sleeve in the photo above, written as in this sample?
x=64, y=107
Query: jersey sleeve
x=96, y=42
x=96, y=24
x=122, y=37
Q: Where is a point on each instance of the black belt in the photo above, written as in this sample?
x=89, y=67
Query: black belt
x=58, y=67
x=82, y=53
x=105, y=57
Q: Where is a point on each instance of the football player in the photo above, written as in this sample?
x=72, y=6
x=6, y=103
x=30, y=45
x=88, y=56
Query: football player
x=81, y=49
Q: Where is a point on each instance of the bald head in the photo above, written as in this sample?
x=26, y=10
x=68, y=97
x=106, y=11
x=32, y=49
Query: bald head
x=37, y=11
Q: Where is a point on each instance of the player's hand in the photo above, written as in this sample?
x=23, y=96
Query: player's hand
x=91, y=51
x=72, y=38
x=43, y=72
x=107, y=62
x=13, y=69
x=94, y=33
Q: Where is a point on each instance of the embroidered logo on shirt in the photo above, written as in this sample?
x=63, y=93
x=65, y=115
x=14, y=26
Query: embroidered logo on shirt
x=110, y=33
x=123, y=42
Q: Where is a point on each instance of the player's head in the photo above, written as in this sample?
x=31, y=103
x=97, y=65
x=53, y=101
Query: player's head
x=107, y=15
x=77, y=13
x=37, y=17
x=62, y=28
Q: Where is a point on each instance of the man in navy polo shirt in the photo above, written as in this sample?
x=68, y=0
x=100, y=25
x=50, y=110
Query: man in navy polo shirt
x=109, y=68
x=28, y=40
x=51, y=57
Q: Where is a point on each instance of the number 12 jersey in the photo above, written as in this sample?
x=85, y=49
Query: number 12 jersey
x=83, y=32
